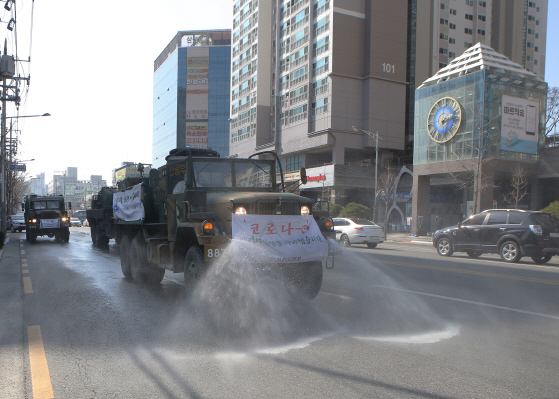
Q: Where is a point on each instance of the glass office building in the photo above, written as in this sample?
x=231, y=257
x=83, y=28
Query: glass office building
x=191, y=101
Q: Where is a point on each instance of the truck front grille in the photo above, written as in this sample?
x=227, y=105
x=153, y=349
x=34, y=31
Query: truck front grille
x=278, y=208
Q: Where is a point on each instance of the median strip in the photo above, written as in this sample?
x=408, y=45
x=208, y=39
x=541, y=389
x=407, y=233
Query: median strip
x=40, y=376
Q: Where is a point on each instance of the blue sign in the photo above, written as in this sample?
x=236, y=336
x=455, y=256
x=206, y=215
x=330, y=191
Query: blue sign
x=18, y=167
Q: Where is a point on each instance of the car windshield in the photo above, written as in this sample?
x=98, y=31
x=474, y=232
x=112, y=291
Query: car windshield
x=45, y=205
x=17, y=217
x=363, y=222
x=545, y=219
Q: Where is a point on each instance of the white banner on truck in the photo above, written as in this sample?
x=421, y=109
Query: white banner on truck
x=127, y=205
x=281, y=238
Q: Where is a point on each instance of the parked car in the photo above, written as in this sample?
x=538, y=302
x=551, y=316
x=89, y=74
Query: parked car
x=75, y=222
x=511, y=233
x=15, y=223
x=358, y=231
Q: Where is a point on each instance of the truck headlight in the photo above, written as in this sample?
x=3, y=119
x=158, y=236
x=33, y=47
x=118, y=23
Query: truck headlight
x=305, y=211
x=64, y=219
x=240, y=211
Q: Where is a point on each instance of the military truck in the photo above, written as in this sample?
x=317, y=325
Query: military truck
x=46, y=216
x=183, y=216
x=100, y=216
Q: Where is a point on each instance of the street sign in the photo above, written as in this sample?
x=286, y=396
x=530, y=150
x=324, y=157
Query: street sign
x=20, y=167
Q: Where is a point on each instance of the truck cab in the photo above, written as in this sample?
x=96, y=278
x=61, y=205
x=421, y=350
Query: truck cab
x=46, y=216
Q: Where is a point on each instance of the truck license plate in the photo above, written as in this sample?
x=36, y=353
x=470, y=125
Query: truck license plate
x=213, y=252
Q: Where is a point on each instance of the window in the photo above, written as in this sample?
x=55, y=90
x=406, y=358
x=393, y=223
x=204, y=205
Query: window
x=475, y=220
x=452, y=26
x=451, y=40
x=444, y=6
x=452, y=11
x=320, y=106
x=531, y=18
x=470, y=3
x=442, y=65
x=531, y=4
x=482, y=3
x=530, y=45
x=514, y=219
x=468, y=44
x=536, y=49
x=468, y=31
x=443, y=50
x=530, y=58
x=443, y=36
x=321, y=66
x=469, y=17
x=481, y=17
x=481, y=32
x=444, y=21
x=536, y=62
x=452, y=55
x=497, y=218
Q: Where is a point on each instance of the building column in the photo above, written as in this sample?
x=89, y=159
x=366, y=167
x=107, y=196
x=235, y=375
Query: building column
x=536, y=194
x=485, y=194
x=338, y=155
x=421, y=203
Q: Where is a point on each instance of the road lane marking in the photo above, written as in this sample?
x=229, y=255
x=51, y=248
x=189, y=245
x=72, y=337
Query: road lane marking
x=445, y=269
x=25, y=271
x=470, y=302
x=22, y=252
x=40, y=376
x=24, y=265
x=27, y=287
x=24, y=261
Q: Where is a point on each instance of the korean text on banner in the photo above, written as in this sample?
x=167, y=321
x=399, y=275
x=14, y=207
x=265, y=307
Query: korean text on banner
x=281, y=238
x=127, y=205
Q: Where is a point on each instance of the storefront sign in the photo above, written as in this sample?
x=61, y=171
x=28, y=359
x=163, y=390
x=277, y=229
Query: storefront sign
x=321, y=176
x=520, y=119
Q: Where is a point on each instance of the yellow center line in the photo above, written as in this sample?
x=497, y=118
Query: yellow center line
x=40, y=376
x=22, y=252
x=24, y=261
x=444, y=269
x=24, y=265
x=27, y=287
x=25, y=271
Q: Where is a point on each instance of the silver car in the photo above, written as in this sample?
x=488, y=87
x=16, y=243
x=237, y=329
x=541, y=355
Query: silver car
x=16, y=223
x=358, y=231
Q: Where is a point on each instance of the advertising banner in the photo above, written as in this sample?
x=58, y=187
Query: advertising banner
x=197, y=135
x=127, y=205
x=519, y=124
x=50, y=223
x=197, y=87
x=281, y=238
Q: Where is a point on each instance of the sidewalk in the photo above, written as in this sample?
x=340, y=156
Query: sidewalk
x=406, y=237
x=11, y=325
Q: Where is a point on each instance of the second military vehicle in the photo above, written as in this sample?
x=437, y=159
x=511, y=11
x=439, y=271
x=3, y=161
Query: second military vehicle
x=46, y=216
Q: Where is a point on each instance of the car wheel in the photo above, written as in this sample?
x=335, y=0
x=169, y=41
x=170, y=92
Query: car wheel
x=510, y=252
x=444, y=246
x=371, y=246
x=344, y=239
x=473, y=254
x=542, y=258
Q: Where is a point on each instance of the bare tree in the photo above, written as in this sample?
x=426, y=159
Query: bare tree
x=517, y=187
x=17, y=186
x=473, y=177
x=552, y=115
x=386, y=186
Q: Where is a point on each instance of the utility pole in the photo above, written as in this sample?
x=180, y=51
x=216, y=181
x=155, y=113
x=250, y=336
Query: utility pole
x=7, y=71
x=376, y=138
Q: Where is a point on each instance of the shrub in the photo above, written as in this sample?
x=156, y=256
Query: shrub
x=335, y=210
x=552, y=208
x=355, y=210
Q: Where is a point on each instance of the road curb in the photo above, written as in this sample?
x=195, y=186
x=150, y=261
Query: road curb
x=6, y=241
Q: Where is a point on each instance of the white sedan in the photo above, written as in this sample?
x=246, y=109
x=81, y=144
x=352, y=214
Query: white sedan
x=358, y=231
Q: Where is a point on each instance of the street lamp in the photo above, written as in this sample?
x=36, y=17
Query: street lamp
x=3, y=132
x=376, y=138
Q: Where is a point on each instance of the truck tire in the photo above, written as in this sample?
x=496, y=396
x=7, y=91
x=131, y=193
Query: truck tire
x=32, y=237
x=100, y=237
x=125, y=256
x=142, y=270
x=93, y=231
x=194, y=267
x=66, y=235
x=305, y=277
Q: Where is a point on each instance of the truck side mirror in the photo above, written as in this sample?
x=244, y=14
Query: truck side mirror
x=69, y=205
x=303, y=175
x=22, y=207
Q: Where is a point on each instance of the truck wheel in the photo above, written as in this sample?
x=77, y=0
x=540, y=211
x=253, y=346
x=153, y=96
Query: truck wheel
x=125, y=256
x=142, y=270
x=27, y=235
x=32, y=238
x=93, y=232
x=194, y=267
x=101, y=239
x=306, y=277
x=66, y=235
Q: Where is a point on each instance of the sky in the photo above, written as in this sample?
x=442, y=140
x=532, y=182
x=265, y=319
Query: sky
x=92, y=69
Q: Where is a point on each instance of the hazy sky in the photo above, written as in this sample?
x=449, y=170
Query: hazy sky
x=92, y=70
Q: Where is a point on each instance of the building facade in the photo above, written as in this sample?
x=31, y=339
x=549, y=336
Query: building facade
x=78, y=192
x=305, y=72
x=191, y=93
x=477, y=121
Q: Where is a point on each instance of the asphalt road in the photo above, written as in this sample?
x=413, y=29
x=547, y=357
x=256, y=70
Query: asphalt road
x=392, y=322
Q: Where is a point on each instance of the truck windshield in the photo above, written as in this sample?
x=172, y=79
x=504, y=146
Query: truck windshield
x=229, y=173
x=45, y=205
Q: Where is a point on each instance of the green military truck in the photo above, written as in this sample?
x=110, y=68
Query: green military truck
x=46, y=216
x=100, y=217
x=184, y=215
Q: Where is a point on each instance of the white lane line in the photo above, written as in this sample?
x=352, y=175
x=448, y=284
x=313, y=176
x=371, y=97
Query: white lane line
x=470, y=302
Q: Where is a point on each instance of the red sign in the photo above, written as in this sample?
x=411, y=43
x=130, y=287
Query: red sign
x=316, y=178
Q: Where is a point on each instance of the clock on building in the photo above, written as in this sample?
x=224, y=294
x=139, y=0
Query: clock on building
x=444, y=119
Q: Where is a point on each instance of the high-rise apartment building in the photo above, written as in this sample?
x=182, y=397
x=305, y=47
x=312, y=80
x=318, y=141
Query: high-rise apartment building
x=305, y=72
x=191, y=83
x=441, y=30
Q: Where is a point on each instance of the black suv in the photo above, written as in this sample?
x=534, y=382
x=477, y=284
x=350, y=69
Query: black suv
x=509, y=232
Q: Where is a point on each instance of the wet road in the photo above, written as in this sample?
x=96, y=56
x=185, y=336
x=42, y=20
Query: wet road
x=397, y=321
